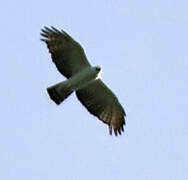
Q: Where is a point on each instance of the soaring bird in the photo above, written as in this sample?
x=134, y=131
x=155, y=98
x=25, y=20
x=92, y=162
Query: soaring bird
x=71, y=61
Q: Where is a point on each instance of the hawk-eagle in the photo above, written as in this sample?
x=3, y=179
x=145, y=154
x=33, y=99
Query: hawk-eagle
x=71, y=61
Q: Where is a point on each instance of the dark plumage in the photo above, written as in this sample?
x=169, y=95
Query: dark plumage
x=70, y=60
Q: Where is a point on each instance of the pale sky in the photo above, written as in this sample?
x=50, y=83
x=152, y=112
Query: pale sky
x=142, y=47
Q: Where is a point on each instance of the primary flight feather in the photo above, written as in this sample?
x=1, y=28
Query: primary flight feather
x=71, y=61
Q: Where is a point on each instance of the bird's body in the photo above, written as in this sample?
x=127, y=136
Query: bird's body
x=82, y=78
x=62, y=90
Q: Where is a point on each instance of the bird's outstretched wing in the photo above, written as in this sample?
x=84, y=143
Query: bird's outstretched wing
x=101, y=102
x=66, y=53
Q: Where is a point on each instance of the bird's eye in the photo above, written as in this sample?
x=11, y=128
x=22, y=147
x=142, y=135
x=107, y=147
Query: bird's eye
x=98, y=68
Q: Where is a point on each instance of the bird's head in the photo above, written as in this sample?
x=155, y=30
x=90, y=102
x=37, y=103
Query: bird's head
x=97, y=68
x=99, y=71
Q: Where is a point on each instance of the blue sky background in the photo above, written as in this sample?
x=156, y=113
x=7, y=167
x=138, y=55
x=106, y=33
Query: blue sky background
x=143, y=49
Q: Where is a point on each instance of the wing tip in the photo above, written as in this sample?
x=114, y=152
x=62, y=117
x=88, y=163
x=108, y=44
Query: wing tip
x=50, y=32
x=47, y=32
x=115, y=124
x=118, y=128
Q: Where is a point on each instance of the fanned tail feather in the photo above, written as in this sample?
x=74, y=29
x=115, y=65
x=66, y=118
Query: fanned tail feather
x=59, y=92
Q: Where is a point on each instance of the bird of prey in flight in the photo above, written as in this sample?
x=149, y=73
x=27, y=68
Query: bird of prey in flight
x=71, y=61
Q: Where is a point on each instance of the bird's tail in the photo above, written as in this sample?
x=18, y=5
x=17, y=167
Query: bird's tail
x=59, y=92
